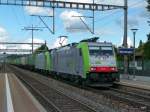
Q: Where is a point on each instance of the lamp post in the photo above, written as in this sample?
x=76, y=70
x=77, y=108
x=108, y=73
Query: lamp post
x=134, y=33
x=125, y=43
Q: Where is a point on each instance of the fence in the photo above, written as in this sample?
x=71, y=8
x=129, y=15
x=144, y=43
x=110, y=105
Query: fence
x=142, y=68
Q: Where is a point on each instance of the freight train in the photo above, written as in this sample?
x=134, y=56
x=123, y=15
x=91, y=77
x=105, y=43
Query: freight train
x=88, y=62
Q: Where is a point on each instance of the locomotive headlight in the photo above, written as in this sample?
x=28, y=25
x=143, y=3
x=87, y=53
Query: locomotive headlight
x=112, y=68
x=93, y=69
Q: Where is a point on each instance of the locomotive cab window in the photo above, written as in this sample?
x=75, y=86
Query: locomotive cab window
x=100, y=50
x=94, y=50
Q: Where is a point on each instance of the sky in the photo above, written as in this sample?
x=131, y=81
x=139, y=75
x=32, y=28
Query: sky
x=108, y=24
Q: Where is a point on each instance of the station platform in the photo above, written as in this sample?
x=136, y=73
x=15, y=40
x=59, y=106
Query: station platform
x=140, y=82
x=14, y=96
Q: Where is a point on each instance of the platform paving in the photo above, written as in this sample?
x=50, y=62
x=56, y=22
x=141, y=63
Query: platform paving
x=14, y=96
x=2, y=94
x=137, y=81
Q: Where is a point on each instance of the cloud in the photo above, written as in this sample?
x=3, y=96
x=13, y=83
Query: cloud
x=71, y=23
x=129, y=41
x=23, y=46
x=104, y=31
x=56, y=43
x=144, y=14
x=38, y=11
x=3, y=34
x=3, y=46
x=137, y=4
x=3, y=37
x=136, y=13
x=36, y=40
x=139, y=9
x=132, y=22
x=32, y=10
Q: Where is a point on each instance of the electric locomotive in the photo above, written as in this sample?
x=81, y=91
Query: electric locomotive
x=89, y=62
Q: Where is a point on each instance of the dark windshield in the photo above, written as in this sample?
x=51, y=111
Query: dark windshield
x=100, y=50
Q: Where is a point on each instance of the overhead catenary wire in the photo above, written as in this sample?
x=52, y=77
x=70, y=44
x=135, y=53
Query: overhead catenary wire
x=104, y=18
x=107, y=16
x=114, y=12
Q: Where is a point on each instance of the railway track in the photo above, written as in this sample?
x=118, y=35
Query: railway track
x=52, y=100
x=136, y=101
x=119, y=99
x=134, y=90
x=145, y=97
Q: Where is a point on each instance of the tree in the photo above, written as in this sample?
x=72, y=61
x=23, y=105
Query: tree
x=140, y=44
x=148, y=6
x=147, y=44
x=148, y=37
x=118, y=56
x=41, y=49
x=146, y=50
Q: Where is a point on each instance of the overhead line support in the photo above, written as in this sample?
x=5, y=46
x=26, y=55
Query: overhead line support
x=61, y=4
x=20, y=43
x=32, y=29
